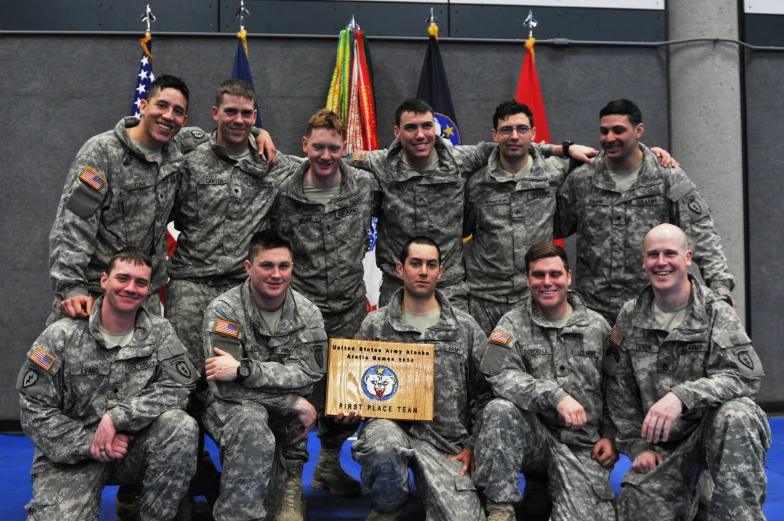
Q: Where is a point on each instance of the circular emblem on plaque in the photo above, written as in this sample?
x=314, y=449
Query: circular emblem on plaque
x=379, y=383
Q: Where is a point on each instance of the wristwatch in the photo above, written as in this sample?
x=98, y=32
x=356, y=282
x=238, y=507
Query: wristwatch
x=243, y=371
x=566, y=145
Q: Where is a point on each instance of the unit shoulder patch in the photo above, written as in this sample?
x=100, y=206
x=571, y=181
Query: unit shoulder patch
x=92, y=179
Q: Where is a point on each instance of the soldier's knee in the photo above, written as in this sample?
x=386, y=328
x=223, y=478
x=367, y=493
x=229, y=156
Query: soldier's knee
x=251, y=424
x=500, y=412
x=742, y=417
x=177, y=423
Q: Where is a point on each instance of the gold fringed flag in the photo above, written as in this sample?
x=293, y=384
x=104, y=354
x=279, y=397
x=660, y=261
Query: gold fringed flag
x=145, y=76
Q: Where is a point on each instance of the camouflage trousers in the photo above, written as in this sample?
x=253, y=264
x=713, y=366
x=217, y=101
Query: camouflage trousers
x=163, y=455
x=488, y=313
x=252, y=444
x=456, y=293
x=385, y=452
x=513, y=440
x=338, y=325
x=152, y=304
x=731, y=442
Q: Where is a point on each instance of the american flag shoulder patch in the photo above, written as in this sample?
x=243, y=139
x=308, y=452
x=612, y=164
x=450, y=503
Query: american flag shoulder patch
x=360, y=155
x=92, y=179
x=42, y=359
x=500, y=337
x=616, y=337
x=224, y=327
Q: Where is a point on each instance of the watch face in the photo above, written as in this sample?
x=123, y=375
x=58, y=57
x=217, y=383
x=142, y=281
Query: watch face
x=244, y=371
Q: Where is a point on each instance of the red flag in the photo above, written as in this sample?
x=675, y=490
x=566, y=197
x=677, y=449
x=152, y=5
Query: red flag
x=529, y=93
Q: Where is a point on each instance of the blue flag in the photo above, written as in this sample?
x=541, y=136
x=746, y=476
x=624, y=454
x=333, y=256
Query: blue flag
x=434, y=89
x=241, y=71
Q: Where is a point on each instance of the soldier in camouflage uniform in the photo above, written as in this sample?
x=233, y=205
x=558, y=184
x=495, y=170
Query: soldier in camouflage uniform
x=102, y=401
x=544, y=364
x=225, y=194
x=326, y=209
x=613, y=203
x=440, y=452
x=682, y=372
x=265, y=347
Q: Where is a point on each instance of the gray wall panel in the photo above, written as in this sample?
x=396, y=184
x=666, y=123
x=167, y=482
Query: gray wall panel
x=765, y=126
x=71, y=99
x=764, y=29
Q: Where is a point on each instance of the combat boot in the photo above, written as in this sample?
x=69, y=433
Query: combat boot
x=128, y=502
x=377, y=515
x=500, y=512
x=293, y=506
x=536, y=496
x=329, y=474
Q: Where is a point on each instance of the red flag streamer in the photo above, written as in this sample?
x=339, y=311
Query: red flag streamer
x=367, y=104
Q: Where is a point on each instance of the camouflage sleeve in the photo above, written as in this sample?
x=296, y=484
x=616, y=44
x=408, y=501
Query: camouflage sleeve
x=183, y=193
x=371, y=161
x=72, y=240
x=190, y=137
x=566, y=214
x=545, y=149
x=60, y=438
x=622, y=395
x=607, y=427
x=693, y=215
x=479, y=391
x=175, y=378
x=470, y=216
x=504, y=368
x=471, y=158
x=733, y=368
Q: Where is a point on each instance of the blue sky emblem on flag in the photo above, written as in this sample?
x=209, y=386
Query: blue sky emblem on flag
x=379, y=383
x=447, y=129
x=372, y=234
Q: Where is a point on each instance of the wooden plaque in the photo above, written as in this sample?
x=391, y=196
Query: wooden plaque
x=390, y=380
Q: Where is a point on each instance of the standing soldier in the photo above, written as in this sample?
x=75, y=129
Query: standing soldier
x=439, y=452
x=544, y=364
x=265, y=347
x=326, y=209
x=102, y=399
x=682, y=373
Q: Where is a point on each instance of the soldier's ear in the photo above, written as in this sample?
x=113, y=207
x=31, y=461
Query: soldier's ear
x=399, y=268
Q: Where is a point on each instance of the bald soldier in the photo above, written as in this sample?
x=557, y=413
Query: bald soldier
x=682, y=372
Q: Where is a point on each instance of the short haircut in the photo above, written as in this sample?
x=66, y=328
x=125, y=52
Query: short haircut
x=234, y=87
x=419, y=239
x=167, y=81
x=545, y=250
x=415, y=106
x=268, y=240
x=509, y=108
x=327, y=119
x=623, y=107
x=130, y=254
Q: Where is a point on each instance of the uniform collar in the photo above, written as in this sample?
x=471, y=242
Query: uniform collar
x=698, y=318
x=289, y=317
x=648, y=176
x=168, y=152
x=141, y=329
x=448, y=320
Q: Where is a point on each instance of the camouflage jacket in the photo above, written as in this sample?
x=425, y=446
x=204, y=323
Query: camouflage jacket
x=611, y=227
x=283, y=366
x=423, y=203
x=506, y=217
x=460, y=390
x=329, y=241
x=534, y=365
x=71, y=378
x=707, y=361
x=113, y=197
x=220, y=204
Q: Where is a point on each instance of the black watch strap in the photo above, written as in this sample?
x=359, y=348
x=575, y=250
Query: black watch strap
x=566, y=145
x=243, y=371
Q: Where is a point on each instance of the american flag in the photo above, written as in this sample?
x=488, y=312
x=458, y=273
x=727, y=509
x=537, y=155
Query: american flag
x=616, y=337
x=500, y=337
x=144, y=78
x=91, y=178
x=42, y=358
x=227, y=328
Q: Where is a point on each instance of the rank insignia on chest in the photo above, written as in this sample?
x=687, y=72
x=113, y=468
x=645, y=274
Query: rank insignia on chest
x=616, y=337
x=500, y=337
x=224, y=327
x=92, y=179
x=42, y=359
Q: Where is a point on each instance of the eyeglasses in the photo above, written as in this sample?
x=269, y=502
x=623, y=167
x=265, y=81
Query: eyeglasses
x=521, y=130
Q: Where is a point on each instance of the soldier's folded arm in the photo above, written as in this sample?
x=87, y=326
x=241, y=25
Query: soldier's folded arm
x=472, y=158
x=175, y=378
x=60, y=438
x=566, y=215
x=733, y=368
x=72, y=239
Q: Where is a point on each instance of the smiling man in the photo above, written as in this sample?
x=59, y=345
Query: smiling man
x=102, y=400
x=544, y=364
x=265, y=347
x=613, y=203
x=326, y=209
x=440, y=452
x=682, y=373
